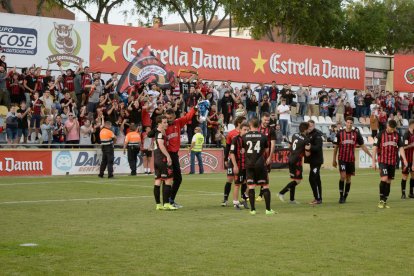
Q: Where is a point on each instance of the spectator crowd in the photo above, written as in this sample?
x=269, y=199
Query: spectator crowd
x=68, y=109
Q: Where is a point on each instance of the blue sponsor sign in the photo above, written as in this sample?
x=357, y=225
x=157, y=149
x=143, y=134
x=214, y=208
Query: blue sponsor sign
x=20, y=41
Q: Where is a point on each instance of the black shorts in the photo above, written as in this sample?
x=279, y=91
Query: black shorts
x=147, y=153
x=348, y=167
x=295, y=171
x=387, y=170
x=407, y=170
x=241, y=177
x=163, y=171
x=230, y=168
x=257, y=176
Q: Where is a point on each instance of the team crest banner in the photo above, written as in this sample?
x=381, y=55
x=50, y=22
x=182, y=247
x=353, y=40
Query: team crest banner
x=113, y=48
x=404, y=73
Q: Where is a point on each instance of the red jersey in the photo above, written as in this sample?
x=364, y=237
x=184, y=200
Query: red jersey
x=86, y=80
x=37, y=107
x=40, y=83
x=69, y=83
x=173, y=131
x=347, y=142
x=237, y=149
x=231, y=135
x=145, y=118
x=408, y=139
x=387, y=147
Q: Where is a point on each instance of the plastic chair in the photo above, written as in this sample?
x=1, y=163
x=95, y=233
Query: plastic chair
x=356, y=121
x=306, y=118
x=321, y=120
x=229, y=128
x=315, y=119
x=366, y=130
x=405, y=122
x=367, y=120
x=328, y=120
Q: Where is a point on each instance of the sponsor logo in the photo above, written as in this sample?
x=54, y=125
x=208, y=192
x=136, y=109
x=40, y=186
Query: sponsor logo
x=209, y=160
x=173, y=55
x=64, y=43
x=10, y=165
x=409, y=75
x=63, y=161
x=20, y=41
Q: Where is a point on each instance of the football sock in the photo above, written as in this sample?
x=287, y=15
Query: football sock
x=292, y=193
x=341, y=188
x=174, y=190
x=387, y=190
x=288, y=187
x=403, y=185
x=243, y=191
x=267, y=197
x=382, y=190
x=411, y=186
x=261, y=191
x=347, y=188
x=227, y=189
x=157, y=194
x=252, y=195
x=166, y=193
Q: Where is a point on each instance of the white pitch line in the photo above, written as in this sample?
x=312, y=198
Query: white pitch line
x=86, y=199
x=106, y=181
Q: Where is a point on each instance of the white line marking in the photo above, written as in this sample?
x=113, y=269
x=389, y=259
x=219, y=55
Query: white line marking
x=87, y=199
x=107, y=181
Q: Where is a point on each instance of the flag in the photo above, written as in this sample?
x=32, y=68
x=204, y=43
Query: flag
x=146, y=68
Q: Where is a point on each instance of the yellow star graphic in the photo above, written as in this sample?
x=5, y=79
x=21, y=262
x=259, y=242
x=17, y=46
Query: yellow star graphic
x=108, y=49
x=259, y=63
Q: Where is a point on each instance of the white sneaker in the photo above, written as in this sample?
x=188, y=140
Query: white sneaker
x=281, y=197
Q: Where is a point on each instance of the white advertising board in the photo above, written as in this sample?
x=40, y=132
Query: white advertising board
x=27, y=40
x=76, y=162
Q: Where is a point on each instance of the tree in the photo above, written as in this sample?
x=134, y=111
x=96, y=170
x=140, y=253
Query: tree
x=104, y=7
x=198, y=11
x=314, y=22
x=383, y=27
x=6, y=4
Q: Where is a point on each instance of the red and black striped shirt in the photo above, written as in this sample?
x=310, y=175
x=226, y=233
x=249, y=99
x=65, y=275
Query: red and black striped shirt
x=408, y=139
x=347, y=142
x=270, y=134
x=237, y=149
x=387, y=147
x=69, y=83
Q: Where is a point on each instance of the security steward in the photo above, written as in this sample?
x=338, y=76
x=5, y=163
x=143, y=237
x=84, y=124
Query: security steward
x=108, y=139
x=315, y=161
x=132, y=143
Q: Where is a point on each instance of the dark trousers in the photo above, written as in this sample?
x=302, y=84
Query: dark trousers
x=315, y=181
x=177, y=174
x=107, y=160
x=133, y=158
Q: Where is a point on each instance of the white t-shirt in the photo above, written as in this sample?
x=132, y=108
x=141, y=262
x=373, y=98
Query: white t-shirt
x=283, y=115
x=85, y=136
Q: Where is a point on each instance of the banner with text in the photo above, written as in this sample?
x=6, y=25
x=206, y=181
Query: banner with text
x=404, y=73
x=28, y=40
x=25, y=163
x=213, y=160
x=88, y=162
x=218, y=58
x=280, y=159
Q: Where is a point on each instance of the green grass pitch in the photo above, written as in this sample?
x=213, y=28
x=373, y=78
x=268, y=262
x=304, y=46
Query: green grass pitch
x=83, y=225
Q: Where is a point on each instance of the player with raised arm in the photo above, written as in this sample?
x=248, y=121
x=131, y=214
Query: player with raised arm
x=347, y=139
x=255, y=145
x=386, y=147
x=300, y=146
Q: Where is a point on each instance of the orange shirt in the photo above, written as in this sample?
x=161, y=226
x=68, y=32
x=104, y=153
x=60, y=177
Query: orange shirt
x=106, y=136
x=132, y=138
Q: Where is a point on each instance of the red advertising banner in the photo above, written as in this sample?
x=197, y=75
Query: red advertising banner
x=213, y=160
x=404, y=73
x=280, y=158
x=25, y=163
x=218, y=58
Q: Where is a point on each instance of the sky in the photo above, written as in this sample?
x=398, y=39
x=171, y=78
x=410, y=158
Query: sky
x=116, y=16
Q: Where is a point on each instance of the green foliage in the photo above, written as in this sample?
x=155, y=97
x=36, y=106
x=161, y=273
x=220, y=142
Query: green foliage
x=314, y=22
